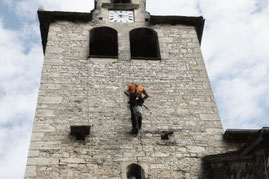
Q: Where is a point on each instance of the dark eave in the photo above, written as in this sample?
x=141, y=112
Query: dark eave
x=230, y=156
x=253, y=140
x=197, y=22
x=47, y=17
x=240, y=135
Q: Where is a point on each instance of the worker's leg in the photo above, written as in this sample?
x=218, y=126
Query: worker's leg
x=139, y=122
x=133, y=117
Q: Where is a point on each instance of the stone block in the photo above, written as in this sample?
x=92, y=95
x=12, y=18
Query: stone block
x=37, y=136
x=50, y=100
x=209, y=117
x=33, y=153
x=45, y=145
x=42, y=161
x=195, y=149
x=54, y=50
x=73, y=160
x=159, y=154
x=214, y=131
x=43, y=128
x=30, y=171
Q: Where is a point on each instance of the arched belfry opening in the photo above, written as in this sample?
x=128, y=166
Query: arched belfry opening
x=144, y=44
x=135, y=171
x=103, y=42
x=121, y=1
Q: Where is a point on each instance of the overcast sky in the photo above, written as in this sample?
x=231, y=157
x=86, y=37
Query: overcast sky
x=235, y=48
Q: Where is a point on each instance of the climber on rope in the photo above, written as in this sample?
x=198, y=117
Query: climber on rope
x=137, y=95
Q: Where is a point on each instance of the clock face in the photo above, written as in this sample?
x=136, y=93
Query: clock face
x=121, y=16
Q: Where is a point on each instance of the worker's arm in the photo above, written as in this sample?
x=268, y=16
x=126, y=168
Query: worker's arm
x=126, y=92
x=145, y=94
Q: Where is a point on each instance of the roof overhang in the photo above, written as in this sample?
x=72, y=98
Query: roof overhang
x=47, y=17
x=252, y=140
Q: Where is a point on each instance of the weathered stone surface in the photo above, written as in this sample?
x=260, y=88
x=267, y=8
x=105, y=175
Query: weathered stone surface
x=78, y=90
x=209, y=117
x=44, y=145
x=33, y=153
x=42, y=128
x=49, y=100
x=30, y=171
x=195, y=149
x=42, y=161
x=37, y=136
x=73, y=160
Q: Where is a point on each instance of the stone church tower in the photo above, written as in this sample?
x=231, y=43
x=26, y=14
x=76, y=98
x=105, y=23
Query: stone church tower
x=82, y=124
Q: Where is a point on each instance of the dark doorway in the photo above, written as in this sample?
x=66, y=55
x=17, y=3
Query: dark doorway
x=134, y=171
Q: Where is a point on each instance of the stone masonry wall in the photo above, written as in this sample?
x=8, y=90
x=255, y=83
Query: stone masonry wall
x=77, y=90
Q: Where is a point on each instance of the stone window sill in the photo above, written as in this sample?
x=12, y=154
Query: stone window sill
x=102, y=56
x=146, y=58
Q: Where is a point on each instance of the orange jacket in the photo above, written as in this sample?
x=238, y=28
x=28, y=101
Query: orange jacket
x=139, y=89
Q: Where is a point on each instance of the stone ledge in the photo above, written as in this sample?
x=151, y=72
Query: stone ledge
x=30, y=171
x=45, y=145
x=72, y=160
x=42, y=161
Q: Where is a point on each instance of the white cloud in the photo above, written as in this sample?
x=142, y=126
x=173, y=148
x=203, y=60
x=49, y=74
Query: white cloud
x=235, y=50
x=19, y=74
x=235, y=43
x=13, y=151
x=68, y=5
x=240, y=102
x=26, y=9
x=243, y=98
x=173, y=7
x=19, y=81
x=21, y=61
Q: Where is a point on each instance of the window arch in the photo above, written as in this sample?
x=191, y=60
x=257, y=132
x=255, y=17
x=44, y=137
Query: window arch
x=103, y=42
x=121, y=1
x=144, y=44
x=135, y=171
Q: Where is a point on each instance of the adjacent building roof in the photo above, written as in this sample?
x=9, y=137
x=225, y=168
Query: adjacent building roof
x=250, y=161
x=47, y=17
x=251, y=140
